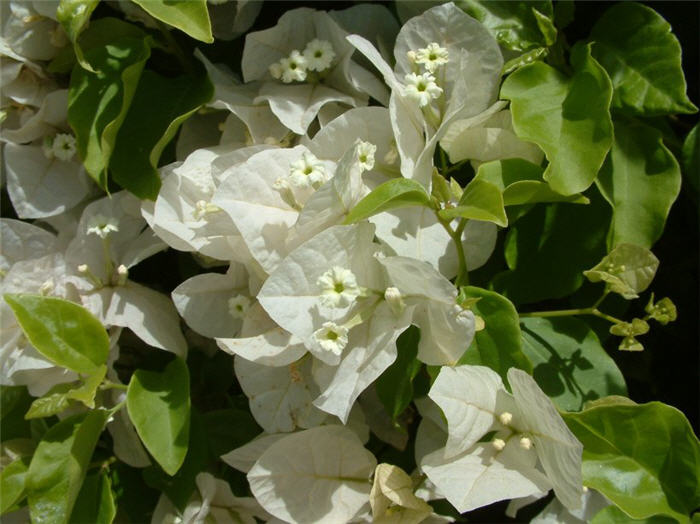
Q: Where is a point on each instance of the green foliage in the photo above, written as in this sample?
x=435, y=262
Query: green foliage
x=640, y=179
x=394, y=194
x=644, y=458
x=74, y=16
x=570, y=365
x=95, y=503
x=499, y=344
x=481, y=200
x=62, y=331
x=59, y=397
x=560, y=114
x=691, y=160
x=395, y=385
x=190, y=16
x=58, y=466
x=14, y=403
x=168, y=102
x=547, y=250
x=98, y=102
x=159, y=407
x=643, y=58
x=12, y=480
x=517, y=26
x=227, y=429
x=627, y=270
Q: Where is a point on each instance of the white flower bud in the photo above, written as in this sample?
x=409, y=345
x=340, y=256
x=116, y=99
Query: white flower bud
x=47, y=287
x=498, y=444
x=505, y=418
x=525, y=443
x=83, y=269
x=122, y=274
x=393, y=297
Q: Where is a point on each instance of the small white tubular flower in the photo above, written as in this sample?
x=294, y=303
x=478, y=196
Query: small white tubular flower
x=276, y=70
x=308, y=171
x=238, y=306
x=102, y=226
x=422, y=88
x=63, y=146
x=293, y=67
x=432, y=56
x=47, y=287
x=331, y=337
x=319, y=55
x=525, y=443
x=338, y=287
x=365, y=155
x=393, y=297
x=83, y=269
x=505, y=418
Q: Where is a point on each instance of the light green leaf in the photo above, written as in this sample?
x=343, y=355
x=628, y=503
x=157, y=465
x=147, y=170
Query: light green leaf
x=74, y=16
x=628, y=270
x=190, y=16
x=95, y=502
x=159, y=407
x=538, y=53
x=394, y=194
x=481, y=200
x=640, y=179
x=168, y=102
x=62, y=331
x=644, y=458
x=571, y=366
x=643, y=58
x=515, y=25
x=548, y=249
x=12, y=479
x=58, y=466
x=98, y=102
x=614, y=515
x=395, y=385
x=499, y=345
x=521, y=183
x=58, y=397
x=568, y=118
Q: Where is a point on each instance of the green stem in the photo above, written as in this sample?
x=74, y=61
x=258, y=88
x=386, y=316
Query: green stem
x=107, y=384
x=572, y=312
x=456, y=235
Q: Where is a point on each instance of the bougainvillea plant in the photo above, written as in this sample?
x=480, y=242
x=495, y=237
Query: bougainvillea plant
x=375, y=263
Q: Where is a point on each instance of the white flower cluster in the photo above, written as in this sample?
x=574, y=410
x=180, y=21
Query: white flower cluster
x=317, y=56
x=423, y=87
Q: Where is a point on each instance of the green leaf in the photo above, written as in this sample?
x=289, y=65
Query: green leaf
x=481, y=200
x=14, y=403
x=644, y=458
x=59, y=397
x=168, y=102
x=74, y=16
x=395, y=385
x=394, y=194
x=62, y=331
x=628, y=270
x=190, y=16
x=663, y=311
x=691, y=159
x=159, y=407
x=643, y=58
x=12, y=480
x=521, y=183
x=640, y=179
x=571, y=366
x=499, y=344
x=227, y=429
x=568, y=118
x=95, y=502
x=538, y=53
x=548, y=249
x=514, y=24
x=98, y=102
x=614, y=515
x=58, y=466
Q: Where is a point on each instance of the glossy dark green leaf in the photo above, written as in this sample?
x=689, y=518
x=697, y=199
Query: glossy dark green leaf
x=643, y=58
x=570, y=365
x=190, y=16
x=394, y=194
x=521, y=182
x=481, y=200
x=159, y=407
x=12, y=480
x=168, y=102
x=568, y=118
x=499, y=344
x=58, y=466
x=95, y=502
x=64, y=332
x=644, y=458
x=227, y=429
x=640, y=179
x=395, y=385
x=14, y=403
x=691, y=159
x=98, y=102
x=513, y=23
x=548, y=249
x=74, y=16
